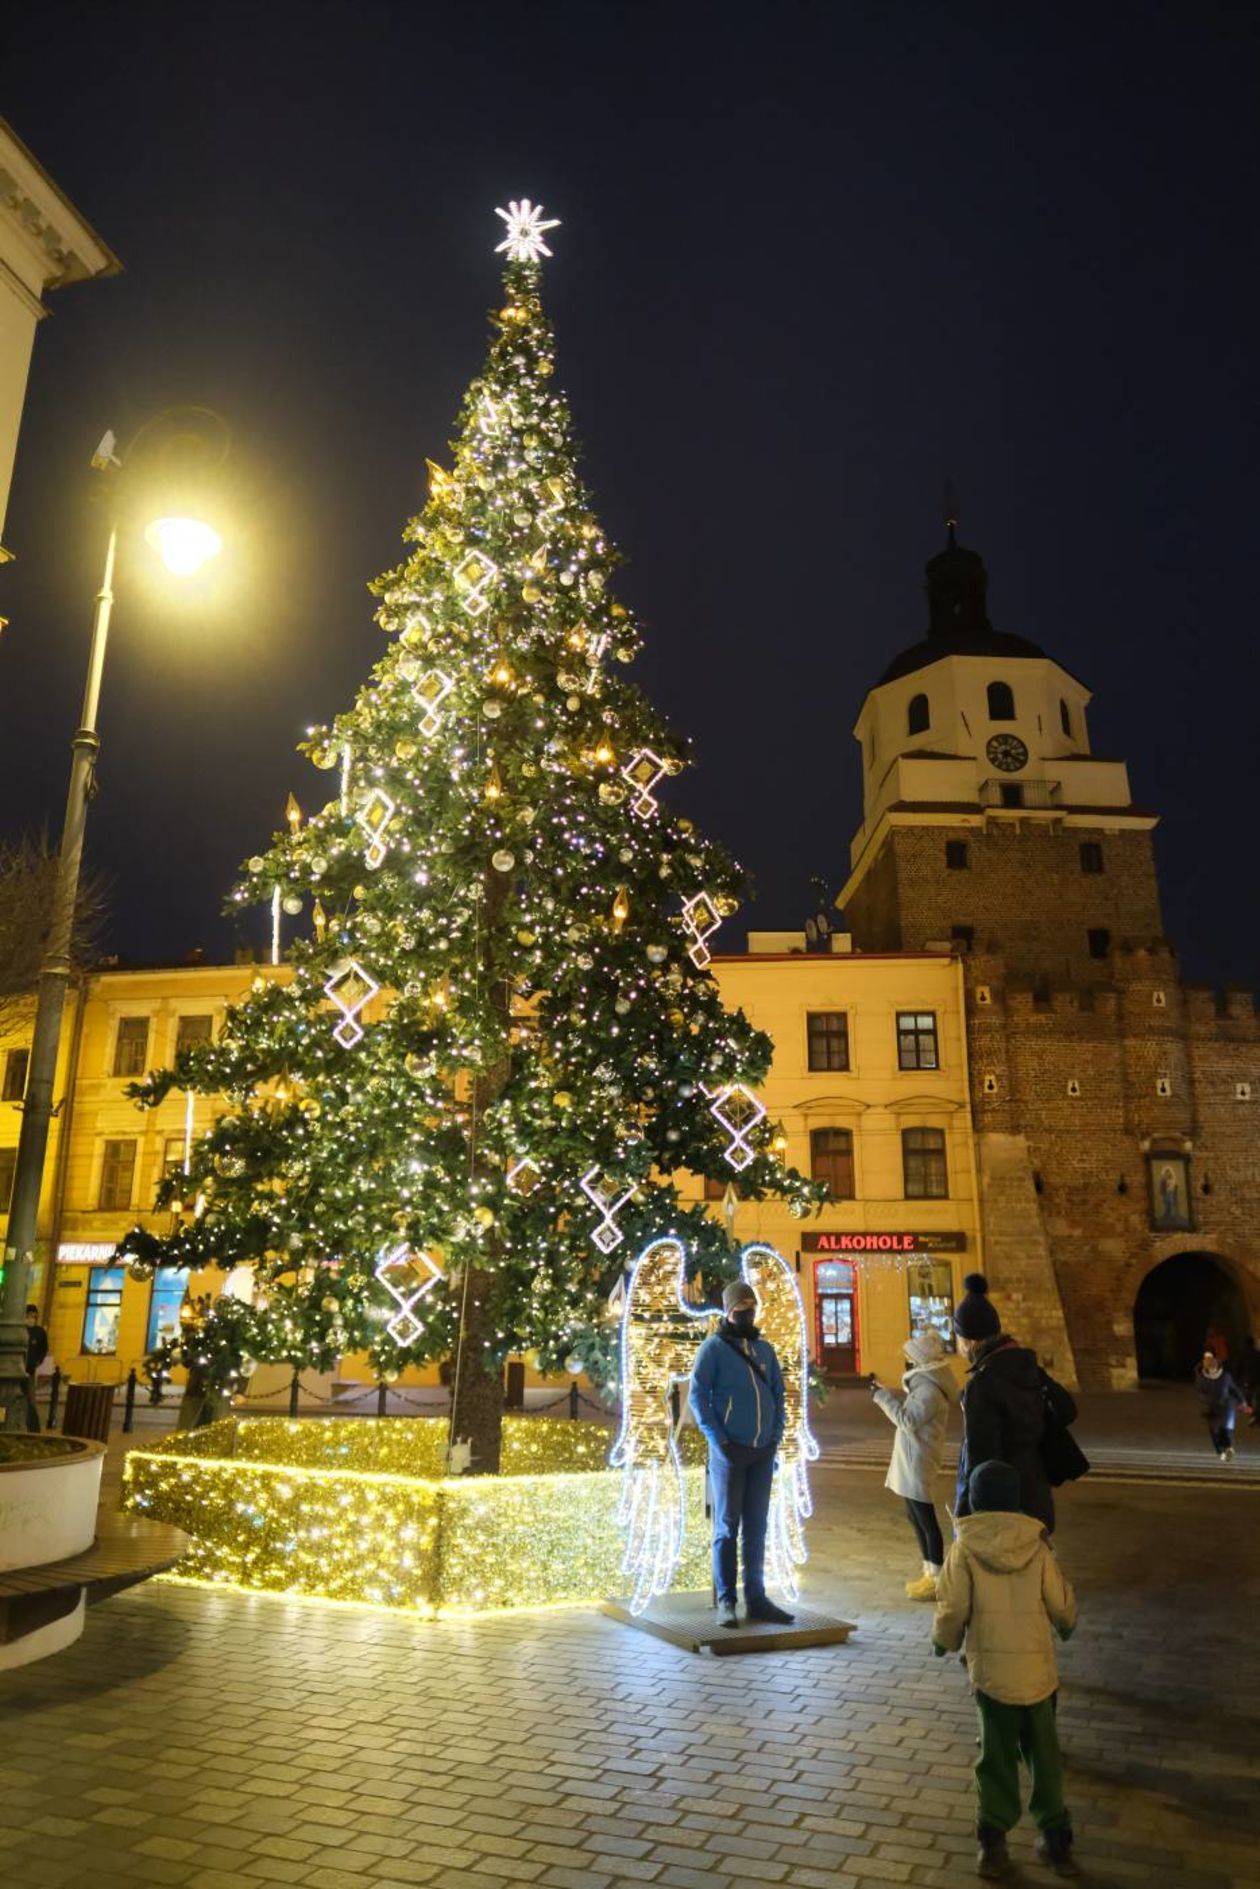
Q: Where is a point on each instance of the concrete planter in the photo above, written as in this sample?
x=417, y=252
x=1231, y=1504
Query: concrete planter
x=49, y=1491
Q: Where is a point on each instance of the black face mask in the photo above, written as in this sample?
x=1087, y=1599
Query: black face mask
x=744, y=1318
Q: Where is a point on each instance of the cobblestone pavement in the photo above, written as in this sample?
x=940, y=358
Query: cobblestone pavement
x=217, y=1741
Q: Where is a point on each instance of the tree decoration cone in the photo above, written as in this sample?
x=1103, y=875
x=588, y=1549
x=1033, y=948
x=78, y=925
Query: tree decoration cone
x=502, y=967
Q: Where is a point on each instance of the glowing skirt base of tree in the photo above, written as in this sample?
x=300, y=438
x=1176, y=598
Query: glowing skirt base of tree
x=357, y=1509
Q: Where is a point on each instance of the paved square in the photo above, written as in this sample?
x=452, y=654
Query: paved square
x=217, y=1741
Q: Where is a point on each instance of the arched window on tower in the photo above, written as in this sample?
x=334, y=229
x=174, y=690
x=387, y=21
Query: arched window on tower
x=1001, y=702
x=919, y=715
x=1065, y=716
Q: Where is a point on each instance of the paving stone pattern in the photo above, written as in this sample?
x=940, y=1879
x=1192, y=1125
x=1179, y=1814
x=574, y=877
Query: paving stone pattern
x=216, y=1741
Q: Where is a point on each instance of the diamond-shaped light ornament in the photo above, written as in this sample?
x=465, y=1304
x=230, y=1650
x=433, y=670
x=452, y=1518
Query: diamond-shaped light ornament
x=643, y=770
x=407, y=1275
x=473, y=577
x=524, y=1176
x=431, y=691
x=701, y=918
x=738, y=1111
x=374, y=817
x=349, y=989
x=603, y=1196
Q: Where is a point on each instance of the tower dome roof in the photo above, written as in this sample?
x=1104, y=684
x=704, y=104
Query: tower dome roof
x=958, y=621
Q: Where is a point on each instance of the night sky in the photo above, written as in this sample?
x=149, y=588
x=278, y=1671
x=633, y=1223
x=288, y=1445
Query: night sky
x=814, y=260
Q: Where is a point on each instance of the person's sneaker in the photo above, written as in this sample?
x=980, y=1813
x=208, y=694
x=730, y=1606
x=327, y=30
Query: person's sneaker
x=1229, y=1454
x=922, y=1589
x=993, y=1859
x=1054, y=1849
x=727, y=1615
x=766, y=1610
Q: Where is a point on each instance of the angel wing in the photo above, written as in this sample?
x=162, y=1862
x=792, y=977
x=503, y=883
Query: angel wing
x=658, y=1345
x=781, y=1319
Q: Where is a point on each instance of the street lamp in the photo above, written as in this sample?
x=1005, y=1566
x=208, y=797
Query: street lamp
x=180, y=449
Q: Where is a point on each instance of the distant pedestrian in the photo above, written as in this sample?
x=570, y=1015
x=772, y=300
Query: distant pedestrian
x=920, y=1415
x=1219, y=1399
x=36, y=1352
x=1005, y=1400
x=1002, y=1590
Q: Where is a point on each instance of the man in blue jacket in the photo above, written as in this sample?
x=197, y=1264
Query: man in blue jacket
x=737, y=1400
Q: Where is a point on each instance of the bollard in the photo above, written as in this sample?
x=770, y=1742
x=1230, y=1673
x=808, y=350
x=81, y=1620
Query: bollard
x=293, y=1395
x=382, y=1398
x=573, y=1401
x=54, y=1396
x=129, y=1403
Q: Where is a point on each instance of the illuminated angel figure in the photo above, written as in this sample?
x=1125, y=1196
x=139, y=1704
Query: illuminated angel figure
x=660, y=1335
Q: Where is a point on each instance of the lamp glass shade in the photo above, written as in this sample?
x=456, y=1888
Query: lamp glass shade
x=183, y=544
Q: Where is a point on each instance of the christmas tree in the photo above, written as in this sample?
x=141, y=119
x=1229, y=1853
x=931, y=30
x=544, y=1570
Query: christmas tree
x=461, y=1111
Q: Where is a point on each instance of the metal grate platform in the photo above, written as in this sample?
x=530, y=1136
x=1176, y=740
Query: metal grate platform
x=687, y=1620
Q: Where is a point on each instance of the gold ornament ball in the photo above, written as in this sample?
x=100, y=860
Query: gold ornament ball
x=531, y=593
x=562, y=1099
x=483, y=1216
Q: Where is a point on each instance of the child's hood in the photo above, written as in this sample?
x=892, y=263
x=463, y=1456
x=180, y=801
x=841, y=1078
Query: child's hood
x=940, y=1374
x=1001, y=1542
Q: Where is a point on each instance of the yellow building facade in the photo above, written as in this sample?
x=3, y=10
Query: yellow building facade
x=868, y=1088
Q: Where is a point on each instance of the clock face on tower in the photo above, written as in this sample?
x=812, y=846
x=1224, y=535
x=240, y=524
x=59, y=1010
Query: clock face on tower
x=1007, y=753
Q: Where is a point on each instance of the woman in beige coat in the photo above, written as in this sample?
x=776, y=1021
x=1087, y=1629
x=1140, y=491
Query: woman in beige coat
x=920, y=1416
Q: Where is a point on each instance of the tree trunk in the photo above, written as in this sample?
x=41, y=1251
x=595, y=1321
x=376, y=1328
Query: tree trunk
x=477, y=1415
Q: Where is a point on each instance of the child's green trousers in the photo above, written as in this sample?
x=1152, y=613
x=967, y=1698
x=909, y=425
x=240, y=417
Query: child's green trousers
x=1007, y=1734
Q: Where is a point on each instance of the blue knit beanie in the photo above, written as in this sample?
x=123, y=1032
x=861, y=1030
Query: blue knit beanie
x=994, y=1486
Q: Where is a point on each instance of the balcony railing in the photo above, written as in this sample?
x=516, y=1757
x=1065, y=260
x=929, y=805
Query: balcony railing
x=1002, y=791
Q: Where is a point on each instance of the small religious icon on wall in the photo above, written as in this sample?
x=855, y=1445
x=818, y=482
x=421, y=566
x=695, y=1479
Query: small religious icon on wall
x=1170, y=1192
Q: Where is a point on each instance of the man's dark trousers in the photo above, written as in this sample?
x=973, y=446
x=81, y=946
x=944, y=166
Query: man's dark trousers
x=741, y=1505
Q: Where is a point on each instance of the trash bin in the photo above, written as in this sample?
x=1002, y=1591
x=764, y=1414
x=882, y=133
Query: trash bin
x=88, y=1411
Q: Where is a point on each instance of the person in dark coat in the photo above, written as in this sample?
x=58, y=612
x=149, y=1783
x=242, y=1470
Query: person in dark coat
x=1219, y=1398
x=1004, y=1403
x=36, y=1352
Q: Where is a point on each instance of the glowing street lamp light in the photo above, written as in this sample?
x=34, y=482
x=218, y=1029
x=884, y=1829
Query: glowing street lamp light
x=185, y=544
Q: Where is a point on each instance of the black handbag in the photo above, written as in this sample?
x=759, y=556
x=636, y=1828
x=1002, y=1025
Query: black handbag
x=1062, y=1457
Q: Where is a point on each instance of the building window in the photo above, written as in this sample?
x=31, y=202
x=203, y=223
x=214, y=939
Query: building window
x=916, y=1040
x=118, y=1171
x=931, y=1283
x=956, y=858
x=16, y=1064
x=8, y=1168
x=827, y=1035
x=919, y=715
x=1001, y=702
x=167, y=1297
x=1168, y=1178
x=172, y=1155
x=1012, y=794
x=1091, y=856
x=101, y=1313
x=923, y=1163
x=964, y=936
x=1099, y=941
x=131, y=1050
x=1065, y=717
x=190, y=1031
x=831, y=1160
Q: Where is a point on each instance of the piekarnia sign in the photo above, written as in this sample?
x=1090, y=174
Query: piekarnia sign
x=883, y=1242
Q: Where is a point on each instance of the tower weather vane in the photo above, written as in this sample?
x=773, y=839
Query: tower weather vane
x=525, y=231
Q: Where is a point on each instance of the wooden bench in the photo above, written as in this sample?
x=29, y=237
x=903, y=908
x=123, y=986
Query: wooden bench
x=127, y=1550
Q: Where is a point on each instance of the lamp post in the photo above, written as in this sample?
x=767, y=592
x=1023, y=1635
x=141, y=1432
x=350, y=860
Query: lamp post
x=185, y=543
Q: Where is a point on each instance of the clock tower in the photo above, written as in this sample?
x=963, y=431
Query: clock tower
x=987, y=820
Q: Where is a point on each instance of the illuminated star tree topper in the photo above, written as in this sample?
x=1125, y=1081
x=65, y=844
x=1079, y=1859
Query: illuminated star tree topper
x=525, y=230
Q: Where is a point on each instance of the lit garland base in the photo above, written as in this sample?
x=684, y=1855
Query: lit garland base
x=358, y=1510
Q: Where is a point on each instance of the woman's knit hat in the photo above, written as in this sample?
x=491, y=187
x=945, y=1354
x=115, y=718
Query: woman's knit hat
x=975, y=1316
x=926, y=1347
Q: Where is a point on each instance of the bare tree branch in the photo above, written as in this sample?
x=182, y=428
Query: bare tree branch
x=28, y=871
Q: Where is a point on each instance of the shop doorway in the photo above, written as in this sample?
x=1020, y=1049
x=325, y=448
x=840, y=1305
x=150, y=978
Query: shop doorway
x=1180, y=1304
x=835, y=1299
